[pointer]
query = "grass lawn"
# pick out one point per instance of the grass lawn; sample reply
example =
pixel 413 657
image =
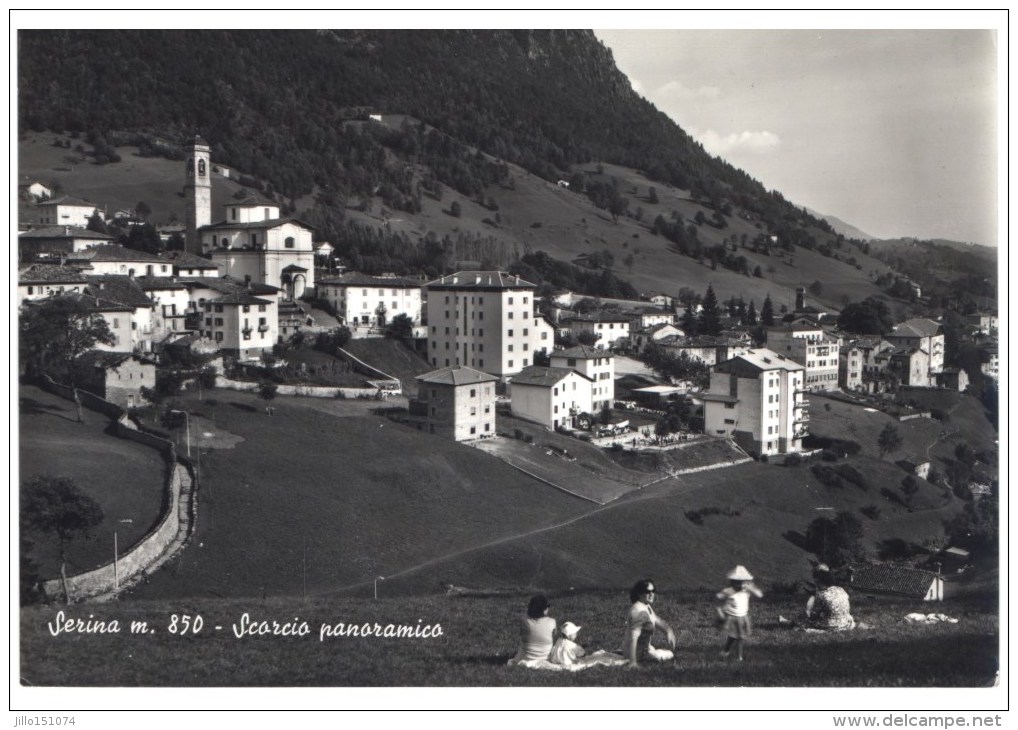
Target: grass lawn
pixel 479 633
pixel 124 477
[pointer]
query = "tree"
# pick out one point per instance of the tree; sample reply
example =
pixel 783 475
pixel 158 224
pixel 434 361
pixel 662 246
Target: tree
pixel 816 288
pixel 652 195
pixel 96 223
pixel 835 542
pixel 56 331
pixel 767 313
pixel 688 322
pixel 267 390
pixel 710 315
pixel 889 439
pixel 56 505
pixel 868 317
pixel 400 328
pixel 629 260
pixel 750 318
pixel 909 487
pixel 142 210
pixel 587 337
pixel 456 209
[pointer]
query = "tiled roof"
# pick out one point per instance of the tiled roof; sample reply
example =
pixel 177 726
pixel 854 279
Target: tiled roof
pixel 183 259
pixel 598 317
pixel 883 578
pixel 151 283
pixel 582 352
pixel 44 273
pixel 761 360
pixel 793 327
pixel 226 285
pixel 355 278
pixel 480 280
pixel 90 302
pixel 120 289
pixel 252 198
pixel 241 297
pixel 542 376
pixel 68 200
pixel 918 327
pixel 108 359
pixel 456 375
pixel 65 232
pixel 113 252
pixel 255 225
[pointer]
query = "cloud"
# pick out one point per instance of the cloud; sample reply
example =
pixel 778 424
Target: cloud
pixel 756 143
pixel 678 91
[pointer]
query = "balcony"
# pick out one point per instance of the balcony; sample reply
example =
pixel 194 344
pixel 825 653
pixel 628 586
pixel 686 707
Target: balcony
pixel 246 332
pixel 801 403
pixel 800 434
pixel 263 328
pixel 802 418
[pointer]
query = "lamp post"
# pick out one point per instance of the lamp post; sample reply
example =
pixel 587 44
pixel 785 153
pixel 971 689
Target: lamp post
pixel 381 577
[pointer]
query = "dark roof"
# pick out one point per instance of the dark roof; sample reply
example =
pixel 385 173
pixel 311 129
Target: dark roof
pixel 255 225
pixel 226 285
pixel 66 232
pixel 149 283
pixel 918 327
pixel 793 327
pixel 718 397
pixel 68 200
pixel 355 278
pixel 183 259
pixel 240 297
pixel 253 199
pixel 582 352
pixel 113 252
pixel 483 280
pixel 883 578
pixel 542 376
pixel 456 375
pixel 293 267
pixel 44 273
pixel 118 288
pixel 598 317
pixel 106 359
pixel 89 302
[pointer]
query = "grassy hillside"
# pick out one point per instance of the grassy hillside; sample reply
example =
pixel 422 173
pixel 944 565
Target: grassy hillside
pixel 479 633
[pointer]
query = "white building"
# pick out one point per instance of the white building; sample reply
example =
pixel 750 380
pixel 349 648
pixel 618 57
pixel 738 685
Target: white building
pixel 53 241
pixel 66 211
pixel 118 260
pixel 597 364
pixel 369 303
pixel 457 402
pixel 485 320
pixel 187 264
pixel 611 328
pixel 241 324
pixel 923 334
pixel 38 281
pixel 171 299
pixel 553 397
pixel 810 346
pixel 757 399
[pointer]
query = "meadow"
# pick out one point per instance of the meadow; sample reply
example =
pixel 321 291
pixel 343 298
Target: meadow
pixel 479 634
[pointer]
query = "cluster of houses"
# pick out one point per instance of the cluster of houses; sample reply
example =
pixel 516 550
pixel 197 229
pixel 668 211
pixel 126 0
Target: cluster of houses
pixel 241 285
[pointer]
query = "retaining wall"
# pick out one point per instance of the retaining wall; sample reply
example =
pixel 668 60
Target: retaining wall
pixel 311 391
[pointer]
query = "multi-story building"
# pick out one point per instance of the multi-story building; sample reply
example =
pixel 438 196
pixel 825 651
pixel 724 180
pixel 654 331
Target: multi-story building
pixel 66 211
pixel 484 320
pixel 171 299
pixel 457 402
pixel 38 281
pixel 188 264
pixel 597 364
pixel 985 323
pixel 910 365
pixel 241 324
pixel 612 328
pixel 639 340
pixel 708 350
pixel 366 304
pixel 553 397
pixel 119 260
pixel 811 347
pixel 991 364
pixel 758 400
pixel 922 334
pixel 53 241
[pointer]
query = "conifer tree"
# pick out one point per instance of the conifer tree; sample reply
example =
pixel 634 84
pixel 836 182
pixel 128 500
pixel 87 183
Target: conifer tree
pixel 710 317
pixel 767 313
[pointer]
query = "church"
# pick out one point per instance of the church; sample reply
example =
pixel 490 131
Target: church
pixel 252 242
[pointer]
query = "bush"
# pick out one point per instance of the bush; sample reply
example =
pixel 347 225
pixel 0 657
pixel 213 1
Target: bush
pixel 891 496
pixel 696 516
pixel 793 460
pixel 872 511
pixel 829 455
pixel 850 474
pixel 827 476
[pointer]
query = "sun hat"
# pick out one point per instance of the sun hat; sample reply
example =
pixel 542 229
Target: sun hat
pixel 570 630
pixel 740 573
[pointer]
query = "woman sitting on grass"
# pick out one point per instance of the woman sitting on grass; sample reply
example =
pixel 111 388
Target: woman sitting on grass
pixel 642 622
pixel 537 632
pixel 828 608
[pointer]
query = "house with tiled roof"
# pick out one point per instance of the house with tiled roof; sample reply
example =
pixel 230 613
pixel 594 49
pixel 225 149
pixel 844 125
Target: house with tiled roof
pixel 484 320
pixel 922 334
pixel 705 348
pixel 66 211
pixel 35 190
pixel 189 264
pixel 612 328
pixel 51 242
pixel 116 259
pixel 127 292
pixel 118 317
pixel 895 580
pixel 757 399
pixel 366 304
pixel 596 364
pixel 910 365
pixel 241 324
pixel 810 346
pixel 116 376
pixel 456 402
pixel 38 281
pixel 170 298
pixel 551 396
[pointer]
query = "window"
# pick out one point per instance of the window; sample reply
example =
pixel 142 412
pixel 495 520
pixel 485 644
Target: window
pixel 233 215
pixel 526 314
pixel 261 307
pixel 510 363
pixel 447 331
pixel 447 301
pixel 571 362
pixel 219 307
pixel 219 321
pixel 480 315
pixel 246 308
pixel 526 332
pixel 510 348
pixel 730 421
pixel 556 409
pixel 219 336
pixel 510 300
pixel 473 410
pixel 289 242
pixel 510 315
pixel 555 390
pixel 487 409
pixel 446 345
pixel 509 333
pixel 434 345
pixel 480 363
pixel 487 426
pixel 544 335
pixel 434 330
pixel 261 321
pixel 473 429
pixel 473 393
pixel 394 305
pixel 208 322
pixel 526 346
pixel 480 347
pixel 730 406
pixel 254 239
pixel 525 300
pixel 525 361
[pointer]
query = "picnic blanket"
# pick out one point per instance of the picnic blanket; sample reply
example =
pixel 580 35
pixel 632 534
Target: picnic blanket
pixel 598 658
pixel 930 618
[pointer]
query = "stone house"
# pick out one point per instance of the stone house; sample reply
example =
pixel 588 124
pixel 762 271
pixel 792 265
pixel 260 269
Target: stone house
pixel 456 402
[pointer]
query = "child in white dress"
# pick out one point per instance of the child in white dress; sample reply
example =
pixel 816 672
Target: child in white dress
pixel 734 612
pixel 566 651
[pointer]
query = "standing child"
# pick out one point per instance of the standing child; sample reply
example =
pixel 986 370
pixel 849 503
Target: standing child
pixel 735 609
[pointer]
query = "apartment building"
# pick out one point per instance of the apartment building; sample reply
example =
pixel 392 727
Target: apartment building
pixel 811 347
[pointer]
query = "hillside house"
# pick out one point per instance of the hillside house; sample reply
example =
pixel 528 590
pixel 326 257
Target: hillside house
pixel 985 323
pixel 708 350
pixel 241 324
pixel 757 399
pixel 188 264
pixel 661 300
pixel 895 580
pixel 639 340
pixel 170 298
pixel 595 363
pixel 457 402
pixel 52 242
pixel 612 328
pixel 113 259
pixel 127 292
pixel 367 304
pixel 916 465
pixel 910 365
pixel 644 317
pixel 35 190
pixel 66 211
pixel 484 320
pixel 116 376
pixel 118 318
pixel 254 241
pixel 38 281
pixel 921 334
pixel 953 379
pixel 553 397
pixel 991 361
pixel 812 348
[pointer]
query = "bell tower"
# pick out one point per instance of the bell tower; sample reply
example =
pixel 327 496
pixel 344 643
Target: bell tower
pixel 198 192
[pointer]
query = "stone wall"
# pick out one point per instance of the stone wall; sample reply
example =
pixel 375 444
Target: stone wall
pixel 311 391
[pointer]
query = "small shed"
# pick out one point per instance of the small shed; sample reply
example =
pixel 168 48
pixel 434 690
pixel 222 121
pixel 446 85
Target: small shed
pixel 896 580
pixel 917 465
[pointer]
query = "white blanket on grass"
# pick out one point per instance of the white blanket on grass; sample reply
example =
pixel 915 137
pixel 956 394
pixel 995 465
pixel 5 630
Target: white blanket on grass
pixel 598 658
pixel 930 618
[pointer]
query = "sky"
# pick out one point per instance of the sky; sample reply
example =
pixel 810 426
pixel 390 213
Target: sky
pixel 892 131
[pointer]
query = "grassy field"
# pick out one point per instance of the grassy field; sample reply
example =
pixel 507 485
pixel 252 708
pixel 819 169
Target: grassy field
pixel 479 633
pixel 124 477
